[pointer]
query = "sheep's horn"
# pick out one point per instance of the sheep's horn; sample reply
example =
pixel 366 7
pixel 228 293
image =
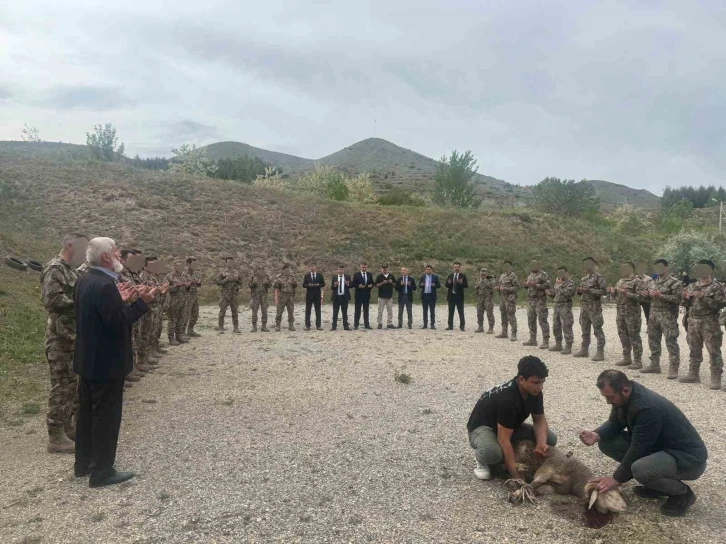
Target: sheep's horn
pixel 593 498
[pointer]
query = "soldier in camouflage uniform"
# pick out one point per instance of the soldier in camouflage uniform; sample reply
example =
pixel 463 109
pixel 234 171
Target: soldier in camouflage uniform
pixel 628 318
pixel 537 284
pixel 259 284
pixel 132 261
pixel 508 285
pixel 177 303
pixel 665 296
pixel 147 324
pixel 191 314
pixel 484 289
pixel 703 300
pixel 285 285
pixel 562 320
pixel 57 288
pixel 641 270
pixel 159 270
pixel 229 280
pixel 592 288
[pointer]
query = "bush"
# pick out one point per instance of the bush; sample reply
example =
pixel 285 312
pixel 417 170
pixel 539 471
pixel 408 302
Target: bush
pixel 398 197
pixel 360 189
pixel 192 160
pixel 453 181
pixel 683 250
pixel 565 197
pixel 103 143
pixel 629 220
pixel 271 180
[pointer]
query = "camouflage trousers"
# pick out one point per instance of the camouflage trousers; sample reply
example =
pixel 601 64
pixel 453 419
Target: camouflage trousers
pixel 258 304
pixel 508 310
pixel 175 314
pixel 628 321
pixel 705 331
pixel 562 322
pixel 63 398
pixel 191 311
pixel 663 324
pixel 485 305
pixel 148 326
pixel 591 315
pixel 537 311
pixel 230 300
pixel 285 301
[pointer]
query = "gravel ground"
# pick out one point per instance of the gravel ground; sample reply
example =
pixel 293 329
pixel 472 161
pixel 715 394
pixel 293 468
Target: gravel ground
pixel 306 437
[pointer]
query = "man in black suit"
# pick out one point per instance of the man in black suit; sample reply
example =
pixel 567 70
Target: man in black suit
pixel 429 283
pixel 103 358
pixel 455 284
pixel 340 286
pixel 406 285
pixel 363 283
pixel 312 283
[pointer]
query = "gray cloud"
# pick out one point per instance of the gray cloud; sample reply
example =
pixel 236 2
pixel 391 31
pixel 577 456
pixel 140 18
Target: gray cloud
pixel 87 97
pixel 187 130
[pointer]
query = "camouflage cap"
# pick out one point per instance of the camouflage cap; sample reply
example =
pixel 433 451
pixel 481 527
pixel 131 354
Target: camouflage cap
pixel 178 261
pixel 484 270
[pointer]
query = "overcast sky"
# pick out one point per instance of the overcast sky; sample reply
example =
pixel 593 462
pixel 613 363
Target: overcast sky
pixel 632 91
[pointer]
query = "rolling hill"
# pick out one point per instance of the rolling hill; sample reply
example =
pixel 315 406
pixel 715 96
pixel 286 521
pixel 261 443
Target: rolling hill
pixel 613 194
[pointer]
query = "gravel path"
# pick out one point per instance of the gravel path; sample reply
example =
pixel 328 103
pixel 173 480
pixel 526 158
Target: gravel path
pixel 306 437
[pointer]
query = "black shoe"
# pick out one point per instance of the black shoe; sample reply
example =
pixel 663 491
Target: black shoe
pixel 678 505
pixel 462 329
pixel 370 328
pixel 449 328
pixel 333 328
pixel 115 478
pixel 425 326
pixel 79 472
pixel 307 328
pixel 380 326
pixel 319 328
pixel 410 326
pixel 346 328
pixel 433 327
pixel 400 327
pixel 390 326
pixel 647 493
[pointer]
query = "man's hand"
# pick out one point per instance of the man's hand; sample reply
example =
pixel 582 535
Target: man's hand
pixel 645 293
pixel 589 438
pixel 686 294
pixel 126 291
pixel 605 484
pixel 698 294
pixel 541 449
pixel 583 290
pixel 145 294
pixel 459 281
pixel 655 294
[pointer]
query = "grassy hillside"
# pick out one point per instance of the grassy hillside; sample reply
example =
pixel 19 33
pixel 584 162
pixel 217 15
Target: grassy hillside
pixel 289 163
pixel 612 195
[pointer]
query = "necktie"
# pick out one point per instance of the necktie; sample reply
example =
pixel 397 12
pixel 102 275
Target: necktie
pixel 455 277
pixel 364 278
pixel 341 286
pixel 428 284
pixel 405 284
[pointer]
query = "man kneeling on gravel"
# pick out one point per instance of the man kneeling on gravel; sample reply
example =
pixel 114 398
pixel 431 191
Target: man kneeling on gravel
pixel 497 421
pixel 659 449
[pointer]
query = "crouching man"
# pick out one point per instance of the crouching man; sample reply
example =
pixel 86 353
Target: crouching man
pixel 652 440
pixel 497 421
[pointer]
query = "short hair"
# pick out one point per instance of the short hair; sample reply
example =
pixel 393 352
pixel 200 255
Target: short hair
pixel 312 264
pixel 363 263
pixel 589 259
pixel 71 237
pixel 508 262
pixel 341 266
pixel 457 262
pixel 384 265
pixel 148 260
pixel 190 260
pixel 629 263
pixel 709 262
pixel 614 378
pixel 661 261
pixel 530 365
pixel 428 266
pixel 96 248
pixel 125 253
pixel 562 267
pixel 136 251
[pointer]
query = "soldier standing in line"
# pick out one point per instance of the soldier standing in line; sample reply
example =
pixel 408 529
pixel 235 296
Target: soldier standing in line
pixel 703 300
pixel 484 289
pixel 508 285
pixel 641 270
pixel 133 261
pixel 159 270
pixel 57 288
pixel 147 321
pixel 628 298
pixel 537 284
pixel 229 280
pixel 562 320
pixel 285 284
pixel 177 301
pixel 592 288
pixel 259 285
pixel 665 296
pixel 192 308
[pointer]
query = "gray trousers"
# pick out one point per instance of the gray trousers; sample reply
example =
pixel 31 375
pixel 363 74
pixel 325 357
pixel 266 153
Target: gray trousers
pixel 387 304
pixel 486 444
pixel 657 471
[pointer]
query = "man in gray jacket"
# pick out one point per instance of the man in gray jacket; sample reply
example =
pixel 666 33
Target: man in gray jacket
pixel 652 440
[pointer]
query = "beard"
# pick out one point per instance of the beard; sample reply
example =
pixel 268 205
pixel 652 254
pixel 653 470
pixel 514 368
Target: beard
pixel 117 266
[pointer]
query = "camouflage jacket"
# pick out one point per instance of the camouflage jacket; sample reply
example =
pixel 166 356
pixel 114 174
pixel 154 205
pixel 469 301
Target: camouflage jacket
pixel 484 287
pixel 596 285
pixel 150 280
pixel 126 276
pixel 286 284
pixel 670 289
pixel 508 286
pixel 229 280
pixel 195 278
pixel 713 299
pixel 83 268
pixel 176 287
pixel 632 297
pixel 57 287
pixel 563 291
pixel 541 283
pixel 259 283
pixel 647 281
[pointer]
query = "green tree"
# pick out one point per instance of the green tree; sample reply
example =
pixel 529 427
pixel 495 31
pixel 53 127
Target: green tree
pixel 271 179
pixel 453 181
pixel 565 197
pixel 326 181
pixel 103 143
pixel 191 160
pixel 360 189
pixel 399 197
pixel 684 249
pixel 31 134
pixel 241 168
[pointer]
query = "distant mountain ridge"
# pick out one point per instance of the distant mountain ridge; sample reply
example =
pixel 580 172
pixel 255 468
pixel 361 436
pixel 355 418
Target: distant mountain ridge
pixel 612 195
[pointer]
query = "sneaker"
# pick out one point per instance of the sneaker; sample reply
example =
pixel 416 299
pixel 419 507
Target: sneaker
pixel 678 505
pixel 482 472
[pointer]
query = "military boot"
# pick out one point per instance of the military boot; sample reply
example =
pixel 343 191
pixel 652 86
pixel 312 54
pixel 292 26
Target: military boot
pixel 557 346
pixel 58 442
pixel 490 330
pixel 693 375
pixel 625 361
pixel 264 327
pixel 70 429
pixel 584 351
pixel 673 369
pixel 652 368
pixel 291 327
pixel 254 327
pixel 159 350
pixel 277 327
pixel 531 342
pixel 220 325
pixel 151 359
pixel 181 338
pixel 235 325
pixel 172 341
pixel 513 337
pixel 545 343
pixel 599 354
pixel 637 363
pixel 715 380
pixel 191 333
pixel 503 334
pixel 568 349
pixel 480 328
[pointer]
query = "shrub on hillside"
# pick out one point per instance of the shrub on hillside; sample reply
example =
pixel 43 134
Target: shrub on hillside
pixel 240 168
pixel 673 217
pixel 565 197
pixel 399 197
pixel 360 189
pixel 683 250
pixel 630 220
pixel 191 160
pixel 453 181
pixel 325 181
pixel 271 179
pixel 103 143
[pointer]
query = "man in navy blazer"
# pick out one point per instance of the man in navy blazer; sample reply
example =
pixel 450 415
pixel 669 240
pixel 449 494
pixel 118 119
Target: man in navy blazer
pixel 363 283
pixel 405 286
pixel 340 286
pixel 103 358
pixel 429 283
pixel 456 283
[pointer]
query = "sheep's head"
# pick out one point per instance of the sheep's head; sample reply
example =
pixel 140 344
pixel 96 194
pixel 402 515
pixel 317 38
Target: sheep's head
pixel 610 501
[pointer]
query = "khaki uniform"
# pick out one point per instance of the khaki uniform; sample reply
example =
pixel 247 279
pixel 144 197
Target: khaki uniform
pixel 285 284
pixel 484 289
pixel 537 303
pixel 133 278
pixel 259 285
pixel 508 287
pixel 147 324
pixel 591 308
pixel 664 318
pixel 562 319
pixel 703 324
pixel 628 317
pixel 191 307
pixel 177 302
pixel 229 280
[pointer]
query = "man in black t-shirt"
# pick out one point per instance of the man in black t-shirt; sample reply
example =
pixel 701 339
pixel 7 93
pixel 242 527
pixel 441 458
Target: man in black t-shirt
pixel 385 283
pixel 497 421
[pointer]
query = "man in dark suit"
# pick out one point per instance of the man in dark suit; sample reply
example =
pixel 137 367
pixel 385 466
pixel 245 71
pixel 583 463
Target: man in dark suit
pixel 312 283
pixel 363 283
pixel 456 284
pixel 405 286
pixel 429 283
pixel 340 286
pixel 103 358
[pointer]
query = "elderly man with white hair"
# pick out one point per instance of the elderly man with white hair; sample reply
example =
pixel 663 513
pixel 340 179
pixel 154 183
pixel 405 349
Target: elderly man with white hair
pixel 103 358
